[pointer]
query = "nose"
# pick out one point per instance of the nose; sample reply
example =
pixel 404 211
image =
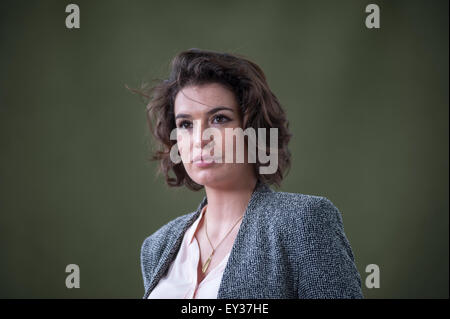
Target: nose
pixel 199 144
pixel 198 129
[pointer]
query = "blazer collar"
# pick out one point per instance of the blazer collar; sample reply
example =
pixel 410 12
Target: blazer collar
pixel 260 187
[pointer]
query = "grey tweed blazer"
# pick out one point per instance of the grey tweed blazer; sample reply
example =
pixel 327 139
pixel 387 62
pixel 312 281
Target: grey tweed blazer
pixel 288 246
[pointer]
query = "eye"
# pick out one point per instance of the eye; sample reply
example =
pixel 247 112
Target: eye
pixel 219 118
pixel 185 124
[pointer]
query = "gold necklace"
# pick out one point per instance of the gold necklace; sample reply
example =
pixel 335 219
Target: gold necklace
pixel 206 265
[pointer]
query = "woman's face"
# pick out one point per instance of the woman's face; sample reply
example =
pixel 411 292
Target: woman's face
pixel 214 108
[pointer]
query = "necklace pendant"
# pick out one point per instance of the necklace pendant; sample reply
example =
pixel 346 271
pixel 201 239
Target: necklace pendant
pixel 205 266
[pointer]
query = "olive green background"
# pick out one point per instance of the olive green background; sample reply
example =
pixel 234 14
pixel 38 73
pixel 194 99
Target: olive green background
pixel 368 109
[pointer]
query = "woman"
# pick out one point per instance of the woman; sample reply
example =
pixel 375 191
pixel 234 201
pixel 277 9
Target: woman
pixel 244 240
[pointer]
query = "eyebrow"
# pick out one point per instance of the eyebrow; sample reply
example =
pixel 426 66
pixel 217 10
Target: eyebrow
pixel 212 111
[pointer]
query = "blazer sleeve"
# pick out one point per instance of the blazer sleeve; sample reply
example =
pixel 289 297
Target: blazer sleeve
pixel 328 267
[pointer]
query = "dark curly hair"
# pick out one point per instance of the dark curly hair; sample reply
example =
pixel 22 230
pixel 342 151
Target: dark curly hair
pixel 259 107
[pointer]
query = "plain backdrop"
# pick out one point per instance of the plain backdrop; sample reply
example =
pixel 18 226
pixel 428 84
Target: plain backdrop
pixel 368 109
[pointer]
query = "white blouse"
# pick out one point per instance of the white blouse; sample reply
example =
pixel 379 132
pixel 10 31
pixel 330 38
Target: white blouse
pixel 181 279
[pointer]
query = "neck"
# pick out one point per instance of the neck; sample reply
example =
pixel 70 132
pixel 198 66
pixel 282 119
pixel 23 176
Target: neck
pixel 226 205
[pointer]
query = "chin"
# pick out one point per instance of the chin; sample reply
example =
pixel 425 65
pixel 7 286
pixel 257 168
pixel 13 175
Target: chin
pixel 212 177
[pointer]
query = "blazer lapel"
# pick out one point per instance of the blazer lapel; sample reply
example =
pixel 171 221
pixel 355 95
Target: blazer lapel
pixel 231 274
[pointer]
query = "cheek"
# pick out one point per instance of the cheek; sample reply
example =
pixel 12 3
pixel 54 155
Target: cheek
pixel 227 142
pixel 233 145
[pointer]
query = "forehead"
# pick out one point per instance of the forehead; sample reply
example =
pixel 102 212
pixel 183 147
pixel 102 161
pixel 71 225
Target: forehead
pixel 201 98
